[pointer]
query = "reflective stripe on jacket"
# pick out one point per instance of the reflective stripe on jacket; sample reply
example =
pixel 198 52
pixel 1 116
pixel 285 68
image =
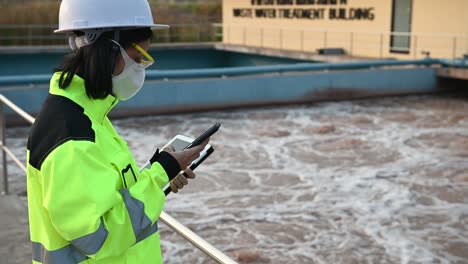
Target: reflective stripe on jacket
pixel 88 202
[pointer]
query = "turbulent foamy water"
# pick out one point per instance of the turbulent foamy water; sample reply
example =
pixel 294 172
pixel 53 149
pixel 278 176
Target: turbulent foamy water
pixel 373 181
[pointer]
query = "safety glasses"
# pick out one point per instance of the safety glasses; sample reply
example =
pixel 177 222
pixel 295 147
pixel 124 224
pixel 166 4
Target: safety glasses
pixel 149 60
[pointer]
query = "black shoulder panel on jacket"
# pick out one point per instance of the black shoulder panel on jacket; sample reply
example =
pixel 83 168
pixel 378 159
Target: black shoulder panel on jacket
pixel 59 121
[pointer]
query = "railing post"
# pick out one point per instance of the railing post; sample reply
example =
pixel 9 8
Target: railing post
pixel 244 36
pixel 302 40
pixel 351 43
pixel 213 34
pixel 325 38
pixel 4 161
pixel 30 36
pixel 281 38
pixel 262 34
pixel 454 47
pixel 168 36
pixel 221 36
pixel 415 46
pixel 381 44
pixel 199 32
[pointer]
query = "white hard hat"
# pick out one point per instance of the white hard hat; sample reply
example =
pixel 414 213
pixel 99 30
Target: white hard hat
pixel 95 17
pixel 104 14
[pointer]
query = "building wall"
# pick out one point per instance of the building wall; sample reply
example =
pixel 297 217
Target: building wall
pixel 444 21
pixel 437 27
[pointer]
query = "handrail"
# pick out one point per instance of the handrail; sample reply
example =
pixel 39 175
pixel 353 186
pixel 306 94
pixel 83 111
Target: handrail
pixel 220 25
pixel 17 109
pixel 321 30
pixel 186 233
pixel 176 226
pixel 55 26
pixel 42 34
pixel 443 45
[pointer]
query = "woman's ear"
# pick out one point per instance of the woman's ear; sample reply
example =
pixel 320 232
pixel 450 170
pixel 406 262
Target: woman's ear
pixel 119 64
pixel 115 58
pixel 114 47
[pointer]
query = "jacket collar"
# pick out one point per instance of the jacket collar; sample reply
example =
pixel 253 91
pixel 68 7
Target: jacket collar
pixel 95 108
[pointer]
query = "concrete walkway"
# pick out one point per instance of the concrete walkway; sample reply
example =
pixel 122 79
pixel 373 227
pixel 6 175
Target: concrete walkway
pixel 15 246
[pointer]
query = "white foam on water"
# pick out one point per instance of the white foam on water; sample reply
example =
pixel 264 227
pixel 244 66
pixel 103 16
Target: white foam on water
pixel 372 181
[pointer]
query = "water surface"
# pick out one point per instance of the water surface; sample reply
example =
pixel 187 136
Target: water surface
pixel 370 181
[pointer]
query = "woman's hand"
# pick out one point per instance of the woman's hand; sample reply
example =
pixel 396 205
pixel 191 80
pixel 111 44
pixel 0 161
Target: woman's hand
pixel 186 157
pixel 180 180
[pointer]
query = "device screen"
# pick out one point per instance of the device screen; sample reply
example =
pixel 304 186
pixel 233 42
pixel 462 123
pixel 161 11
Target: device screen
pixel 179 144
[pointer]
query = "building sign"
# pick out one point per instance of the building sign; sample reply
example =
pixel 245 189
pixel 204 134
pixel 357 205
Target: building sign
pixel 305 9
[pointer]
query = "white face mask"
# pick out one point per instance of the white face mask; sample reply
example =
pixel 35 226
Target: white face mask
pixel 129 82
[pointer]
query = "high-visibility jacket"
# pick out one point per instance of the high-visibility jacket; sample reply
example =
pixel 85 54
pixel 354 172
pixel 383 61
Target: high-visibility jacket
pixel 88 202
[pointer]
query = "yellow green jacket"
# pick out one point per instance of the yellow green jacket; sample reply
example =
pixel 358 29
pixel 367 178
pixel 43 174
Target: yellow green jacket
pixel 88 202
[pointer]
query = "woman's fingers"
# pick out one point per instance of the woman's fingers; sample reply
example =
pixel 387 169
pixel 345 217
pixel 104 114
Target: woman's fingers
pixel 189 174
pixel 186 157
pixel 200 147
pixel 174 188
pixel 181 180
pixel 194 152
pixel 177 183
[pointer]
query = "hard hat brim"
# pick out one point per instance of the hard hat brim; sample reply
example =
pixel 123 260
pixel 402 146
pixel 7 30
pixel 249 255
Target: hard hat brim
pixel 155 26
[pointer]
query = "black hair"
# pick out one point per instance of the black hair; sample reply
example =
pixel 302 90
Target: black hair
pixel 95 63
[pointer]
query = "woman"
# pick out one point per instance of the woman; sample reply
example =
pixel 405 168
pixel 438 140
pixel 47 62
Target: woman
pixel 88 202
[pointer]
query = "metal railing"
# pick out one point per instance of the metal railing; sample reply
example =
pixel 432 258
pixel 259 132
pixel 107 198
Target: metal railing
pixel 38 35
pixel 356 43
pixel 176 226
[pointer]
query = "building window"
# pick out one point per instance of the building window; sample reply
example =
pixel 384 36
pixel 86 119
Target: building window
pixel 400 40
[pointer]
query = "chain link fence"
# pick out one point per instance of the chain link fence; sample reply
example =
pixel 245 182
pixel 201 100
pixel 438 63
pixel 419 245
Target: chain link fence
pixel 42 35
